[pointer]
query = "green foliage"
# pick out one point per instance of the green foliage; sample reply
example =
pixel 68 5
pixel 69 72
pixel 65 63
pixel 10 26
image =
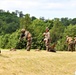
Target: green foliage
pixel 61 45
pixel 65 21
pixel 25 21
pixel 4 40
pixel 38 29
pixel 57 30
pixel 13 39
pixel 11 24
pixel 70 30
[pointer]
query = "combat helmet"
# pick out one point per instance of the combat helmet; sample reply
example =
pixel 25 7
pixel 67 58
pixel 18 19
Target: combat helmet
pixel 22 30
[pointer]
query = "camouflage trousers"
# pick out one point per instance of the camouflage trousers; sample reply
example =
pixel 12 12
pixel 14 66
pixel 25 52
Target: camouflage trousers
pixel 71 47
pixel 47 44
pixel 28 47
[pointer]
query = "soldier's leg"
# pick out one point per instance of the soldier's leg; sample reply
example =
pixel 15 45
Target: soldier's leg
pixel 28 45
pixel 68 47
pixel 72 47
pixel 28 48
pixel 47 45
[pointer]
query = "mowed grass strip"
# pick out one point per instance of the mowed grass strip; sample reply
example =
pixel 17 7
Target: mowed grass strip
pixel 22 62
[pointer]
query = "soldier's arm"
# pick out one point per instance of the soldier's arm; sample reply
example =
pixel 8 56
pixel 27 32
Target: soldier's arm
pixel 21 36
pixel 44 34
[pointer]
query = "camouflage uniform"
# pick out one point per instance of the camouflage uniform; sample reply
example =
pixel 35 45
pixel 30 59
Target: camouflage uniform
pixel 70 43
pixel 26 35
pixel 47 38
pixel 29 40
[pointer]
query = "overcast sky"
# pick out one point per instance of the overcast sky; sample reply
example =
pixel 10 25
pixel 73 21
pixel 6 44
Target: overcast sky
pixel 48 9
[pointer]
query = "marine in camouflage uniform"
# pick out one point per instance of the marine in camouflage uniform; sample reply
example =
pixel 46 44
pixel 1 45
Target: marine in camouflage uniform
pixel 47 39
pixel 70 43
pixel 29 40
pixel 26 35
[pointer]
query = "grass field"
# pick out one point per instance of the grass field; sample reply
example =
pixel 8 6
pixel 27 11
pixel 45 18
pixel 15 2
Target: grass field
pixel 22 62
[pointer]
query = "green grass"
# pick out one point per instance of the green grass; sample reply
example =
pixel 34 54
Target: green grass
pixel 22 62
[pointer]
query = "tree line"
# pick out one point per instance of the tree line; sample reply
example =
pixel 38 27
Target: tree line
pixel 12 23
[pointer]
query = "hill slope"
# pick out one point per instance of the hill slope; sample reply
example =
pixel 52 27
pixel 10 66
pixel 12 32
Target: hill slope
pixel 37 63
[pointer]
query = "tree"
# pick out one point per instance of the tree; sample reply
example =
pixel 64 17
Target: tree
pixel 73 22
pixel 20 14
pixel 49 23
pixel 70 30
pixel 9 22
pixel 57 30
pixel 65 21
pixel 25 21
pixel 38 29
pixel 33 18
